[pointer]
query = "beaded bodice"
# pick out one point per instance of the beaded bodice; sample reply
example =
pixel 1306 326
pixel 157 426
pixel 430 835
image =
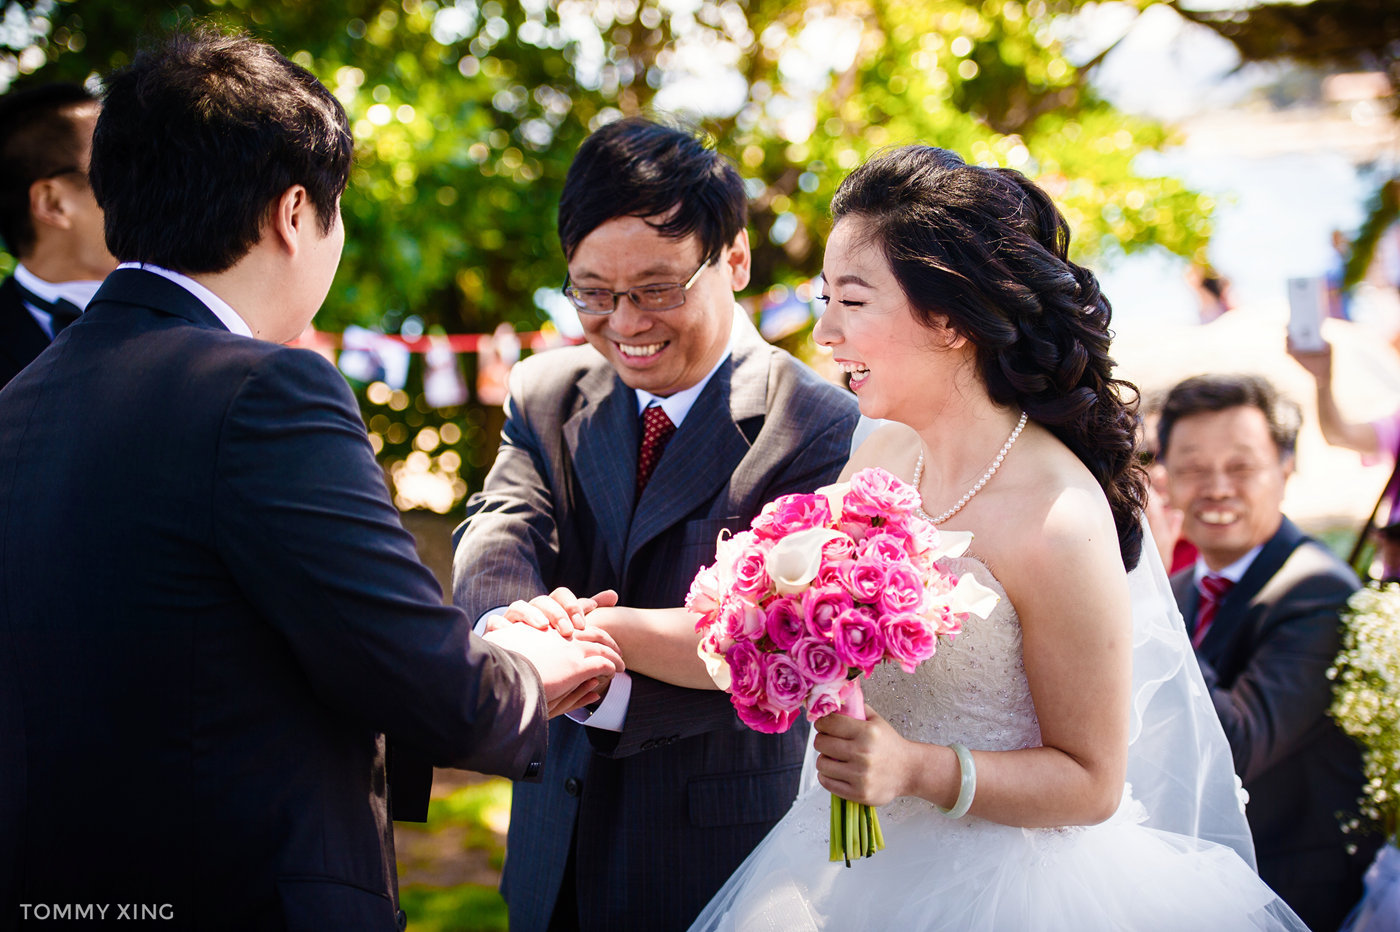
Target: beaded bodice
pixel 973 690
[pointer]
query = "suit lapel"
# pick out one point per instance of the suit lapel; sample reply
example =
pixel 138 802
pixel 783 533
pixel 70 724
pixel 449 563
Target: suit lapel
pixel 1184 588
pixel 710 443
pixel 1236 604
pixel 601 439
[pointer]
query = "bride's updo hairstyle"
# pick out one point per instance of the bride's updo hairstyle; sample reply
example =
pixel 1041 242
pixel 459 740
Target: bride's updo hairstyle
pixel 986 249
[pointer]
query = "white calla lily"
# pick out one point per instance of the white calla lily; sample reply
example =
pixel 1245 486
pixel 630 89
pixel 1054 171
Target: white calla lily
pixel 971 597
pixel 793 562
pixel 951 544
pixel 715 665
pixel 835 495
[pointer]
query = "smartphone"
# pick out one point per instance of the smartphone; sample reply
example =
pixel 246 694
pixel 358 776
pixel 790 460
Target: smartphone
pixel 1307 306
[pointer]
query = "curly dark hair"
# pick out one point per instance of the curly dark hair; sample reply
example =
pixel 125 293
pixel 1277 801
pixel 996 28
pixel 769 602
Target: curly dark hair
pixel 985 249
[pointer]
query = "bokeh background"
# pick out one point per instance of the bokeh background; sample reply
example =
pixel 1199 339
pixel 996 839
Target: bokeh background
pixel 1231 144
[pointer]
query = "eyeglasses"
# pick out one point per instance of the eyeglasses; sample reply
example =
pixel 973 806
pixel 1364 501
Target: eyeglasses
pixel 662 296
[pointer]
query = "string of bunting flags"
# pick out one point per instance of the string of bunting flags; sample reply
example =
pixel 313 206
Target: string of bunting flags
pixel 368 356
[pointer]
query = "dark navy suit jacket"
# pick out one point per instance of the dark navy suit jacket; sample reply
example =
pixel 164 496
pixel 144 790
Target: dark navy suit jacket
pixel 659 814
pixel 21 337
pixel 209 616
pixel 1265 660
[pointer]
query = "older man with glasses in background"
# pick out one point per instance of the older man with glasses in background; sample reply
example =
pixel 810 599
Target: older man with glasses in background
pixel 1262 606
pixel 620 463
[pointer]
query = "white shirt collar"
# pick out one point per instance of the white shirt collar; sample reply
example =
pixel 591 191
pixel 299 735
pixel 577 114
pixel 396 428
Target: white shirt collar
pixel 217 305
pixel 75 292
pixel 677 406
pixel 1234 572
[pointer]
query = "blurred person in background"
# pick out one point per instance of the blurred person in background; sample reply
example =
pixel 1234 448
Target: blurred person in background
pixel 1375 440
pixel 1262 604
pixel 49 219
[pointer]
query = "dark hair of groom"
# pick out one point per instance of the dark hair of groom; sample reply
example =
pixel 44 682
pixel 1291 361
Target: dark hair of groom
pixel 38 139
pixel 197 202
pixel 638 168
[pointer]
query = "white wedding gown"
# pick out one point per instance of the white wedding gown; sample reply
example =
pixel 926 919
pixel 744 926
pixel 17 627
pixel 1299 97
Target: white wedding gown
pixel 970 874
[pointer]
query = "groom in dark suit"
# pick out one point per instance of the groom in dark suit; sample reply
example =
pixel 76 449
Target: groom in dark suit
pixel 209 611
pixel 1262 605
pixel 49 219
pixel 620 463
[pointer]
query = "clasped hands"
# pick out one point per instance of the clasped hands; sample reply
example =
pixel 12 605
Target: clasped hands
pixel 575 660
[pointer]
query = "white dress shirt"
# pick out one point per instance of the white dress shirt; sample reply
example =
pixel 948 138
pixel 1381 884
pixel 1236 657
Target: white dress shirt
pixel 1234 572
pixel 78 293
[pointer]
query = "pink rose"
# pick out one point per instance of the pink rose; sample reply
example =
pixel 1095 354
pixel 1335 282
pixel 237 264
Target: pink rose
pixel 740 620
pixel 857 639
pixel 760 716
pixel 705 593
pixel 828 698
pixel 877 493
pixel 745 670
pixel 838 548
pixel 909 639
pixel 790 513
pixel 863 578
pixel 903 590
pixel 888 545
pixel 821 606
pixel 817 660
pixel 923 536
pixel 786 621
pixel 785 685
pixel 829 575
pixel 854 526
pixel 947 622
pixel 751 582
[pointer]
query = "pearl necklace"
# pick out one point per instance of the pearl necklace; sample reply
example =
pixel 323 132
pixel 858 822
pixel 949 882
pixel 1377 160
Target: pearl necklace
pixel 967 496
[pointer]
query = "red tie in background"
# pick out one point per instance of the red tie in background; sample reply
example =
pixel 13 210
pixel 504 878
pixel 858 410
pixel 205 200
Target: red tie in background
pixel 1213 589
pixel 656 430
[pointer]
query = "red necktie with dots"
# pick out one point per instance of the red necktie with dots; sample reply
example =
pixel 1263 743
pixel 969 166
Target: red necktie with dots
pixel 1213 590
pixel 656 430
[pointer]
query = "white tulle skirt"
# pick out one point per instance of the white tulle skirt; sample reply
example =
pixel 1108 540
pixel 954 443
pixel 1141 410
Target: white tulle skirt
pixel 971 875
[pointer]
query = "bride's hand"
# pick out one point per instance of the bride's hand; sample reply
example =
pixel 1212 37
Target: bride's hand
pixel 862 761
pixel 561 610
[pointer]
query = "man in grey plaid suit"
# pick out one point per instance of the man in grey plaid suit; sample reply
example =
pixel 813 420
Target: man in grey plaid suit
pixel 647 805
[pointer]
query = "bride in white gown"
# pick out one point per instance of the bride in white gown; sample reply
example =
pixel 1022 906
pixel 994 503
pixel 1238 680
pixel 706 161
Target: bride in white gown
pixel 1069 733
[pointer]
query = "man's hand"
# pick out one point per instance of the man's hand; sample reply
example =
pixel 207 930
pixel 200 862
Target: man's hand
pixel 561 610
pixel 574 670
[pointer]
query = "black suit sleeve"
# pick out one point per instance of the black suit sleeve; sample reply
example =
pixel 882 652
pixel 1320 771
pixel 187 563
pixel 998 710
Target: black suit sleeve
pixel 1281 695
pixel 306 527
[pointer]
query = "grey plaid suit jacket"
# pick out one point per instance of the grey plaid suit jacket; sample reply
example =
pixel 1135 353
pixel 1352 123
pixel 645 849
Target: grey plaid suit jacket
pixel 1265 661
pixel 661 813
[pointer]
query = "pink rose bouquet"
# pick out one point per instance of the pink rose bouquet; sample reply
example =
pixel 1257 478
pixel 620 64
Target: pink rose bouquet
pixel 819 591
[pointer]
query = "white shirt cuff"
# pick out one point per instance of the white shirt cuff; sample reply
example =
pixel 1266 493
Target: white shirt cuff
pixel 612 711
pixel 480 627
